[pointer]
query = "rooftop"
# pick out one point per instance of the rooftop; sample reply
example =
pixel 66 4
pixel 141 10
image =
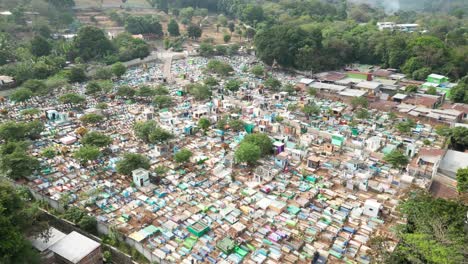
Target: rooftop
pixel 74 247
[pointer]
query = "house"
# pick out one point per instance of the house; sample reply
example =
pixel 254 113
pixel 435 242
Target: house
pixel 330 77
pixel 313 162
pixel 451 162
pixel 426 162
pixel 73 248
pixel 304 83
pixel 281 160
pixel 141 177
pixel 327 87
pixel 353 93
pixel 437 79
pixel 423 100
pixel 371 87
pixel 399 97
pixel 263 174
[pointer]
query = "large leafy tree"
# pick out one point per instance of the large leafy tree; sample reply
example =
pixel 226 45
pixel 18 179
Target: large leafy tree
pixel 248 152
pixel 396 158
pixel 150 132
pixel 21 95
pixel 19 219
pixel 194 31
pixel 40 46
pixel 15 131
pixel 434 232
pixel 143 25
pixel 462 180
pixel 15 162
pixel 96 139
pixel 204 124
pixel 131 162
pixel 91 43
pixel 87 153
pixel 260 140
pixel 183 156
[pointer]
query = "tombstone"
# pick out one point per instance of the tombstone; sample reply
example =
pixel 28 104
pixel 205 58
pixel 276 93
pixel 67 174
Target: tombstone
pixel 141 177
pixel 372 208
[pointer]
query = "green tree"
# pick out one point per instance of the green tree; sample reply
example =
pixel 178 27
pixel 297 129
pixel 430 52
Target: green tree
pixel 226 38
pixel 183 156
pixel 91 43
pixel 21 95
pixel 362 114
pixel 233 85
pixel 236 125
pixel 289 88
pixel 273 84
pixel 462 180
pixel 248 152
pixel 87 153
pixel 211 81
pixel 40 46
pixel 405 127
pixel 206 49
pixel 89 224
pixel 36 86
pixel 163 101
pixel 93 87
pixel 146 91
pixel 103 73
pixel 77 74
pixel 20 218
pixel 396 158
pixel 30 112
pixel 194 31
pixel 126 91
pixel 173 28
pixel 431 91
pixel 257 70
pixel 102 105
pixel 219 67
pixel 150 132
pixel 204 124
pixel 359 102
pixel 118 69
pixel 260 140
pixel 15 131
pixel 311 109
pixel 131 162
pixel 96 139
pixel 49 153
pixel 15 163
pixel 143 25
pixel 91 118
pixel 252 14
pixel 199 91
pixel 72 99
pixel 159 135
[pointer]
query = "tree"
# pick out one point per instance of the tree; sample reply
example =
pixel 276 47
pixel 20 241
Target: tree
pixel 233 85
pixel 30 112
pixel 93 87
pixel 359 102
pixel 87 153
pixel 236 124
pixel 91 43
pixel 131 162
pixel 273 84
pixel 91 118
pixel 194 31
pixel 219 67
pixel 289 88
pixel 163 101
pixel 146 91
pixel 232 27
pixel 462 180
pixel 118 69
pixel 89 224
pixel 226 38
pixel 247 152
pixel 21 95
pixel 20 218
pixel 49 153
pixel 77 74
pixel 102 105
pixel 143 25
pixel 15 163
pixel 257 70
pixel 260 140
pixel 173 28
pixel 40 46
pixel 396 158
pixel 405 127
pixel 211 81
pixel 204 124
pixel 362 114
pixel 103 74
pixel 434 230
pixel 72 99
pixel 221 50
pixel 36 86
pixel 252 14
pixel 96 139
pixel 159 136
pixel 183 156
pixel 311 109
pixel 150 132
pixel 15 131
pixel 199 91
pixel 126 91
pixel 206 49
pixel 431 91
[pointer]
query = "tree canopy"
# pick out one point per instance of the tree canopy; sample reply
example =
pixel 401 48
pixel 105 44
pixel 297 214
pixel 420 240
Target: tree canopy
pixel 183 156
pixel 131 162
